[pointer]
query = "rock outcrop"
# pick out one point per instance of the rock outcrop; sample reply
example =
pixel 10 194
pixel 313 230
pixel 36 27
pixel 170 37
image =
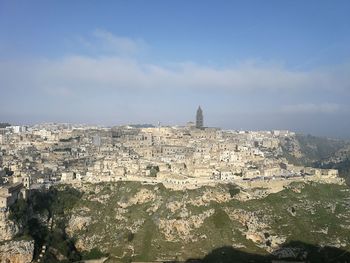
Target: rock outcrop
pixel 175 229
pixel 256 228
pixel 77 223
pixel 8 229
pixel 143 196
pixel 17 251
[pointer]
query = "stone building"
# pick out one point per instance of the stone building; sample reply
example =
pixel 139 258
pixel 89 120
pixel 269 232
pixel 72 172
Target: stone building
pixel 199 118
pixel 9 194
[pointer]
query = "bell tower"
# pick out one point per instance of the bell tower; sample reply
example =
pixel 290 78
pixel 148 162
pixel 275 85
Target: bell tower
pixel 199 118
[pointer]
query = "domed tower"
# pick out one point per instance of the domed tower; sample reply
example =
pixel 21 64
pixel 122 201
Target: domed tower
pixel 199 118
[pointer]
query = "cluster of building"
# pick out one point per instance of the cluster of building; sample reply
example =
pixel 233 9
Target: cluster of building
pixel 45 154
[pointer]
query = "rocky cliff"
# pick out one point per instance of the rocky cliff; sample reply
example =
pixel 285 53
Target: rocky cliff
pixel 131 221
pixel 8 228
pixel 16 251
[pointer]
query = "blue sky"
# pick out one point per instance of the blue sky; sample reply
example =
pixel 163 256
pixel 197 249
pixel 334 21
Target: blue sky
pixel 249 64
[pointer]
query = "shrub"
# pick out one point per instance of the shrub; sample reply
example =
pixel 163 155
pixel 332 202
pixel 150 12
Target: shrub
pixel 94 253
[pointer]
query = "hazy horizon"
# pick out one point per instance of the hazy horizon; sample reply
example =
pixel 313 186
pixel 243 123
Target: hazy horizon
pixel 250 65
pixel 167 125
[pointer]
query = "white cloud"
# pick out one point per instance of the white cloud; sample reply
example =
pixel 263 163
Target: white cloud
pixel 104 42
pixel 116 71
pixel 118 43
pixel 81 72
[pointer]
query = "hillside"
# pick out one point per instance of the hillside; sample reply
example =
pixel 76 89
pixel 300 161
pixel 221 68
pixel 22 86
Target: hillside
pixel 133 222
pixel 318 152
pixel 307 149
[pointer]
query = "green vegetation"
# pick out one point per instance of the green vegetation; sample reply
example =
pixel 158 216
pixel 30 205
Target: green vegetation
pixel 19 212
pixel 313 212
pixel 318 148
pixel 44 205
pixel 220 218
pixel 233 190
pixel 153 170
pixel 145 238
pixel 220 230
pixel 128 230
pixel 312 149
pixel 318 152
pixel 94 253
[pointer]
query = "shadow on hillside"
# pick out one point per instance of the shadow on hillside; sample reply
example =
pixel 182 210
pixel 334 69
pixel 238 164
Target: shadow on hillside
pixel 294 251
pixel 34 215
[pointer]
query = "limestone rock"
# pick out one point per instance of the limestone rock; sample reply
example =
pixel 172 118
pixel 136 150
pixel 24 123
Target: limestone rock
pixel 292 210
pixel 175 229
pixel 255 237
pixel 17 251
pixel 8 229
pixel 209 196
pixel 57 254
pixel 143 196
pixel 77 223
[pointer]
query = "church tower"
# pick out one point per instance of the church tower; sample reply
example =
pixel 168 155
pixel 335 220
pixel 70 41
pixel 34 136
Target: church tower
pixel 199 118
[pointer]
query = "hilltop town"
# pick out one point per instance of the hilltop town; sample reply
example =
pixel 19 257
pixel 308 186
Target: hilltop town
pixel 179 157
pixel 223 165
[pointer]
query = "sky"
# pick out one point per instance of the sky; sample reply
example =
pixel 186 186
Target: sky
pixel 251 65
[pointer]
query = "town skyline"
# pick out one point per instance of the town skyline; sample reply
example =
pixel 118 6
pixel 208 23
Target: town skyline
pixel 195 122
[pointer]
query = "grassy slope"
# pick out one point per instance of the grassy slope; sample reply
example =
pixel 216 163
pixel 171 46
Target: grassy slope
pixel 149 243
